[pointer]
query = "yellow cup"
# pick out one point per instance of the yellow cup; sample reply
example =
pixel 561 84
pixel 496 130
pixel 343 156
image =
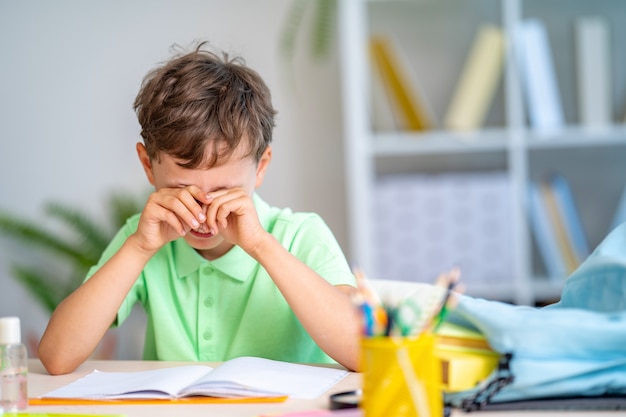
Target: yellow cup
pixel 401 377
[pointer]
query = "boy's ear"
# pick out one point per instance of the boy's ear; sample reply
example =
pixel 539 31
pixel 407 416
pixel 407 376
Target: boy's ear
pixel 142 153
pixel 264 162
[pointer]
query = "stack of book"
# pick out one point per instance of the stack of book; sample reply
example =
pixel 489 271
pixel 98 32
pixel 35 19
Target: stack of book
pixel 557 227
pixel 400 103
pixel 466 357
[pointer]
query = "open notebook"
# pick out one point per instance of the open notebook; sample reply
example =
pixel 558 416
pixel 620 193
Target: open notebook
pixel 244 377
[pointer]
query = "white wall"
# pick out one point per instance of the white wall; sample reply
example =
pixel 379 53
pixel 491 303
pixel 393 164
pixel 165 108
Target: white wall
pixel 70 70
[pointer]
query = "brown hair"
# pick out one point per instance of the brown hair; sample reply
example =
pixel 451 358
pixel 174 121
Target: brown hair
pixel 201 99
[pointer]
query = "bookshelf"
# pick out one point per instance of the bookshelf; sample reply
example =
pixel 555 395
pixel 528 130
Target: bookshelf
pixel 435 36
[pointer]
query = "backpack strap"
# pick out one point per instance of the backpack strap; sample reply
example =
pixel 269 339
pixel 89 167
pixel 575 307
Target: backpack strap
pixel 502 377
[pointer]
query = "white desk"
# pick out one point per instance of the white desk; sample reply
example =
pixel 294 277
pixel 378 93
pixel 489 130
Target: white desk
pixel 40 382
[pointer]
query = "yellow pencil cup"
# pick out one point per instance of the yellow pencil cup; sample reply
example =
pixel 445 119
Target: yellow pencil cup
pixel 401 377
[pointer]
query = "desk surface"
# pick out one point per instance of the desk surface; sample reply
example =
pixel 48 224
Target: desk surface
pixel 40 382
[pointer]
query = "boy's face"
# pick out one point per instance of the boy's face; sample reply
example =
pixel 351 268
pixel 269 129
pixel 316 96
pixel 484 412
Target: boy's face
pixel 236 172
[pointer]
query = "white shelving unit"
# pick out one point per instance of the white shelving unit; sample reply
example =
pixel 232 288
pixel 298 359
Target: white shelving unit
pixel 436 33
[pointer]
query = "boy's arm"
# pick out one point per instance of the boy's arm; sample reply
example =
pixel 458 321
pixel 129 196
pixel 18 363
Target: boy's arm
pixel 326 311
pixel 81 320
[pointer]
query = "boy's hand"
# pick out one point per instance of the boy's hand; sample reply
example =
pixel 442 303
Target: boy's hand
pixel 231 213
pixel 169 214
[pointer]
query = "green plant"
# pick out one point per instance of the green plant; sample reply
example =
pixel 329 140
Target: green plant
pixel 79 246
pixel 323 24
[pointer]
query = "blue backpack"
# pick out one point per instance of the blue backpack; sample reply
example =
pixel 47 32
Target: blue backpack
pixel 575 348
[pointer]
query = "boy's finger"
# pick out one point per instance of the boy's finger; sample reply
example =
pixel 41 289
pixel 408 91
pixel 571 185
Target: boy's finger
pixel 223 198
pixel 217 193
pixel 186 196
pixel 198 195
pixel 163 214
pixel 181 204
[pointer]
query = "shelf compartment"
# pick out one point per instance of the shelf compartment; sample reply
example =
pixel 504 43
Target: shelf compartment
pixel 439 142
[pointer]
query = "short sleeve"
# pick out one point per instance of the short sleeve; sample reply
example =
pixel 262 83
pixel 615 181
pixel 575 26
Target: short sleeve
pixel 312 241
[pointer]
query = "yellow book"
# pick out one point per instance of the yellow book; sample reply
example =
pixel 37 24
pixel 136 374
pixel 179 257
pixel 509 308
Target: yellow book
pixel 479 80
pixel 465 355
pixel 383 116
pixel 407 100
pixel 455 337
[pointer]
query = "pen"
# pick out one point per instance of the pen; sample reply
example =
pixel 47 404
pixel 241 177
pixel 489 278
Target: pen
pixel 373 313
pixel 453 280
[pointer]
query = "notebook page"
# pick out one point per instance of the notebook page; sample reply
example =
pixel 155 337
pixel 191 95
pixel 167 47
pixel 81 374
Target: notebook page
pixel 270 376
pixel 157 383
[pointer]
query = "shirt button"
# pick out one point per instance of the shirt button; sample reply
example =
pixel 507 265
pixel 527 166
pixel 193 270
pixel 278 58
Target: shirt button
pixel 207 335
pixel 208 302
pixel 208 270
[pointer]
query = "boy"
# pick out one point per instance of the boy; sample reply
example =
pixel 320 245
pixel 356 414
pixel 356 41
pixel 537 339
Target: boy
pixel 219 272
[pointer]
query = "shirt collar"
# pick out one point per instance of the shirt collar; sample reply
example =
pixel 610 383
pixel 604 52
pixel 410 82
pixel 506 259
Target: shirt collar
pixel 236 263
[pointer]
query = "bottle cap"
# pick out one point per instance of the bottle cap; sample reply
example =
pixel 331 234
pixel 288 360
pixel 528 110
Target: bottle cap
pixel 10 331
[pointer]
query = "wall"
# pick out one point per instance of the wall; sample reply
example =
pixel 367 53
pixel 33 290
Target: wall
pixel 70 71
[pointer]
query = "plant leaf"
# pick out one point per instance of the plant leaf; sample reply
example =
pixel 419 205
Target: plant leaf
pixel 43 287
pixel 36 235
pixel 122 206
pixel 81 249
pixel 93 239
pixel 323 27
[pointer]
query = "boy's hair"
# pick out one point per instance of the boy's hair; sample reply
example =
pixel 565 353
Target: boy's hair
pixel 202 99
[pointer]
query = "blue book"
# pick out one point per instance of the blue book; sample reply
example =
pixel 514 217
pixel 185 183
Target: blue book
pixel 570 216
pixel 544 235
pixel 620 214
pixel 545 110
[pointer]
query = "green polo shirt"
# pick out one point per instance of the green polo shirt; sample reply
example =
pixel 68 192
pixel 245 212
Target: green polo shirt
pixel 200 310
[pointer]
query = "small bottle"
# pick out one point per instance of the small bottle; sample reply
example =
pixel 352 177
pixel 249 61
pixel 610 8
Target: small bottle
pixel 13 366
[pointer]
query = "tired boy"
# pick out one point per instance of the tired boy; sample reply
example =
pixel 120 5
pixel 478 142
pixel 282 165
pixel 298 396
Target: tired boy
pixel 219 272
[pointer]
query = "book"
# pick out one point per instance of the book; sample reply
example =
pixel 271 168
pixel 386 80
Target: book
pixel 543 101
pixel 557 227
pixel 383 117
pixel 408 101
pixel 593 65
pixel 452 336
pixel 479 80
pixel 244 377
pixel 542 232
pixel 620 212
pixel 466 356
pixel 568 212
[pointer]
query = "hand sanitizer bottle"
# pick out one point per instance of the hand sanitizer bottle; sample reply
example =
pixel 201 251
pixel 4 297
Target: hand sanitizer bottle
pixel 13 366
